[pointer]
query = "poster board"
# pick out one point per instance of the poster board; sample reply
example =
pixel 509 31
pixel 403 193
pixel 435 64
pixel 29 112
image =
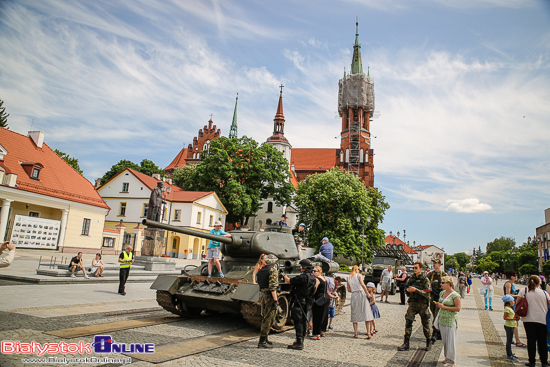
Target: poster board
pixel 32 232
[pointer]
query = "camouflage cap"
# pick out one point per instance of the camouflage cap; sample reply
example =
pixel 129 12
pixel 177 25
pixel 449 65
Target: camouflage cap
pixel 306 263
pixel 270 259
pixel 436 261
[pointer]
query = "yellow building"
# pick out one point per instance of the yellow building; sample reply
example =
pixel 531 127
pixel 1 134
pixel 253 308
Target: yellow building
pixel 46 204
pixel 128 192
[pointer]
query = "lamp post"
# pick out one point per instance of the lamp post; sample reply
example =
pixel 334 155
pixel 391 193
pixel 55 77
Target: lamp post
pixel 404 236
pixel 363 240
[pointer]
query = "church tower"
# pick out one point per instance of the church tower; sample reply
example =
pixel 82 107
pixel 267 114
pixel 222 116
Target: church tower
pixel 278 139
pixel 233 130
pixel 356 107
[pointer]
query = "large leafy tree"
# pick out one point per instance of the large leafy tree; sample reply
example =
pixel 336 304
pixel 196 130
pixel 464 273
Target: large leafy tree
pixel 242 174
pixel 71 160
pixel 182 174
pixel 329 204
pixel 462 259
pixel 3 116
pixel 146 166
pixel 501 244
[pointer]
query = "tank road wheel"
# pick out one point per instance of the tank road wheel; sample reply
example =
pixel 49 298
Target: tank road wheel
pixel 282 315
pixel 342 293
pixel 171 304
pixel 392 292
pixel 251 313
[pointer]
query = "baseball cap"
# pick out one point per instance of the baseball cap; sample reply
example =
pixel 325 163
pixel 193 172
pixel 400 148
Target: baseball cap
pixel 371 285
pixel 437 261
pixel 306 263
pixel 324 239
pixel 302 224
pixel 270 259
pixel 507 298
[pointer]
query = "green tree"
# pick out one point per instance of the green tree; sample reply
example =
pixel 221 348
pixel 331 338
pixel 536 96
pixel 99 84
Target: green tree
pixel 182 174
pixel 546 268
pixel 3 116
pixel 527 254
pixel 462 259
pixel 501 244
pixel 486 264
pixel 149 167
pixel 329 204
pixel 528 269
pixel 451 263
pixel 116 168
pixel 71 160
pixel 242 174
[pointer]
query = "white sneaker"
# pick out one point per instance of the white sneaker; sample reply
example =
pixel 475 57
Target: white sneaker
pixel 73 276
pixel 86 276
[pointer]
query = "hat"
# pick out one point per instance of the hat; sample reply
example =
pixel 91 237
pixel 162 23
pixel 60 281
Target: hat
pixel 217 223
pixel 306 263
pixel 302 224
pixel 324 239
pixel 283 216
pixel 437 261
pixel 507 298
pixel 270 259
pixel 371 285
pixel 485 272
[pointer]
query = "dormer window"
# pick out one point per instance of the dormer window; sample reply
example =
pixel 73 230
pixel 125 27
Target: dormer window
pixel 32 169
pixel 125 186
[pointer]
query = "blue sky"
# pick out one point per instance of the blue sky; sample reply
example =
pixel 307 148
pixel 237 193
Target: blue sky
pixel 462 91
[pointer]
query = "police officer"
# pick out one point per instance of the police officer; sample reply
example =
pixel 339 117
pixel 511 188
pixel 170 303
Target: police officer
pixel 269 281
pixel 303 288
pixel 419 297
pixel 435 283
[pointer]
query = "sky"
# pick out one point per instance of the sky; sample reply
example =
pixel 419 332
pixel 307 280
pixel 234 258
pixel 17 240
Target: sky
pixel 462 93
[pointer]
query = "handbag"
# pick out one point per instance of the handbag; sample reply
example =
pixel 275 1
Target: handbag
pixel 322 300
pixel 522 306
pixel 547 315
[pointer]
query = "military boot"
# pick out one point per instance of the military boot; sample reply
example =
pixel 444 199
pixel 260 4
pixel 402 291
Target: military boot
pixel 298 344
pixel 438 335
pixel 267 340
pixel 429 344
pixel 263 344
pixel 405 345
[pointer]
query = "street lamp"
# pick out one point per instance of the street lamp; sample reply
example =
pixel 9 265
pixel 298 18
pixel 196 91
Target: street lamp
pixel 404 236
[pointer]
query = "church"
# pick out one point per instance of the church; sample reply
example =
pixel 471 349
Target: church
pixel 355 107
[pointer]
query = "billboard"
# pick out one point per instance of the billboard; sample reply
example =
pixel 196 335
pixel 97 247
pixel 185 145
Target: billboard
pixel 32 232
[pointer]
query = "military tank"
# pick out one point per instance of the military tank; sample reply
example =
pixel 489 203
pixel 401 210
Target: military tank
pixel 194 292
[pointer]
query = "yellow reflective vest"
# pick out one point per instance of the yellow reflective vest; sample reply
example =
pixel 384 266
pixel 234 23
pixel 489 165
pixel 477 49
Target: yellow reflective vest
pixel 126 257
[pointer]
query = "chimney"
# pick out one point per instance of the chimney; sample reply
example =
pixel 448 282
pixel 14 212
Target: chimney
pixel 97 182
pixel 156 176
pixel 168 180
pixel 37 138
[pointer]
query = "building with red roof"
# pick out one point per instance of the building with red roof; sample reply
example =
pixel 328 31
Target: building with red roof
pixel 46 203
pixel 128 193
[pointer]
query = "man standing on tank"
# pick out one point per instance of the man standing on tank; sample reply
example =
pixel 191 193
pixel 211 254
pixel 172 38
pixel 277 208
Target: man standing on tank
pixel 303 288
pixel 419 297
pixel 435 283
pixel 268 280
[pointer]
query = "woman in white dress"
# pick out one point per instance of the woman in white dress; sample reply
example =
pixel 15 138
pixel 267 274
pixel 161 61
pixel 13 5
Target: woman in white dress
pixel 360 307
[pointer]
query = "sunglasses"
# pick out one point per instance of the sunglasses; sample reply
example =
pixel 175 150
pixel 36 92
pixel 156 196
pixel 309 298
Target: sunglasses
pixel 315 271
pixel 416 267
pixel 444 282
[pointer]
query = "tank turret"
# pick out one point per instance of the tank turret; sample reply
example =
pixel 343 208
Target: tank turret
pixel 237 292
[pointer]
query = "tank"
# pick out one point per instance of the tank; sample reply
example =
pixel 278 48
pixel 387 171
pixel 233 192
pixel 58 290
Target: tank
pixel 393 255
pixel 193 292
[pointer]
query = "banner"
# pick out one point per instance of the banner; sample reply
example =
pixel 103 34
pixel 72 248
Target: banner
pixel 32 232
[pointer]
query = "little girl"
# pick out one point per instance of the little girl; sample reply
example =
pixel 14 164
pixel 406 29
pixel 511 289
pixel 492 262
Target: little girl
pixel 374 308
pixel 510 323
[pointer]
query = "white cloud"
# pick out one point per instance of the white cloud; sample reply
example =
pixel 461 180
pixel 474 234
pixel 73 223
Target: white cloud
pixel 471 205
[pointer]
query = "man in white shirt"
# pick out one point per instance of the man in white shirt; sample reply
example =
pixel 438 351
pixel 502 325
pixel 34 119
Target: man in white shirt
pixel 385 282
pixel 7 259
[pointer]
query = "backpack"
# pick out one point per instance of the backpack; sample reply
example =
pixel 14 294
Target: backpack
pixel 522 306
pixel 310 290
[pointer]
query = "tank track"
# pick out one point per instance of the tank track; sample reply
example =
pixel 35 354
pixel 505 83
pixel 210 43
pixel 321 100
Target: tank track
pixel 251 313
pixel 164 299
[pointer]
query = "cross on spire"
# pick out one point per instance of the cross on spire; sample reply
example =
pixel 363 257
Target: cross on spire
pixel 281 86
pixel 211 115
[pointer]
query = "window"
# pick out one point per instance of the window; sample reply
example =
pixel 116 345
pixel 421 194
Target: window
pixel 270 207
pixel 122 210
pixel 34 214
pixel 211 221
pixel 199 214
pixel 174 243
pixel 144 211
pixel 163 213
pixel 86 227
pixel 108 242
pixel 125 186
pixel 177 215
pixel 35 173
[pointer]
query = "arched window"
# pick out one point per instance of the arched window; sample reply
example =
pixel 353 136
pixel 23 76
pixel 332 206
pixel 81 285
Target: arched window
pixel 361 156
pixel 270 207
pixel 206 145
pixel 347 155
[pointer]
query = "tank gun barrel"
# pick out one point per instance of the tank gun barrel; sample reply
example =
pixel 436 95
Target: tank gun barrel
pixel 191 232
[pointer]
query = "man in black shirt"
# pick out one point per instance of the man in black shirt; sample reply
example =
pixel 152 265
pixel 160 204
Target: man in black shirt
pixel 76 265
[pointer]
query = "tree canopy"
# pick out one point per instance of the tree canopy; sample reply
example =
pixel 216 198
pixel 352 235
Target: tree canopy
pixel 242 174
pixel 329 204
pixel 71 160
pixel 500 244
pixel 182 174
pixel 3 116
pixel 503 255
pixel 146 166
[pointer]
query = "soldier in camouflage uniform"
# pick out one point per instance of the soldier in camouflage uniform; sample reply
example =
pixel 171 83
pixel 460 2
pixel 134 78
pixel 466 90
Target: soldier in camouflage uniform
pixel 435 282
pixel 419 296
pixel 268 279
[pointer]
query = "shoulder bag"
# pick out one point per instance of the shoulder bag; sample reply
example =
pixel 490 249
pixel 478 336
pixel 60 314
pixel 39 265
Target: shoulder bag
pixel 522 306
pixel 323 299
pixel 436 320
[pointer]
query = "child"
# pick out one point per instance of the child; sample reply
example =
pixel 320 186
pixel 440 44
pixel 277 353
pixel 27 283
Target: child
pixel 510 324
pixel 333 299
pixel 374 308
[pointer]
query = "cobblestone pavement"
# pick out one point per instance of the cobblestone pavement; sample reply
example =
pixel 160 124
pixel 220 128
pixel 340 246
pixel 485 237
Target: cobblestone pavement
pixel 338 348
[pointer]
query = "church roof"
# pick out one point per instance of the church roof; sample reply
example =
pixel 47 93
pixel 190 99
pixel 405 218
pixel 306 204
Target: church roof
pixel 56 178
pixel 179 161
pixel 314 159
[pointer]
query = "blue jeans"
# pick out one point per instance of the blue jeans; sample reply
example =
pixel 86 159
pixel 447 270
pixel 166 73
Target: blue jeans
pixel 509 336
pixel 489 295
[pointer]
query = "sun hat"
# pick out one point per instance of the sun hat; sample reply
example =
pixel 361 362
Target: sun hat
pixel 507 298
pixel 371 285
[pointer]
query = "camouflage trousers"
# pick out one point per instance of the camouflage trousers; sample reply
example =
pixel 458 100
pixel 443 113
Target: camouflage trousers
pixel 420 308
pixel 434 310
pixel 268 313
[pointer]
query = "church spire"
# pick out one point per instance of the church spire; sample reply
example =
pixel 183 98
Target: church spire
pixel 279 122
pixel 356 64
pixel 233 130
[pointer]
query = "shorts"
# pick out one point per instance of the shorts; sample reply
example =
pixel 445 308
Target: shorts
pixel 76 268
pixel 213 253
pixel 331 312
pixel 386 286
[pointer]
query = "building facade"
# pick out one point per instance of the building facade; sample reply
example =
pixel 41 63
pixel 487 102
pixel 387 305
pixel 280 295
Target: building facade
pixel 542 238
